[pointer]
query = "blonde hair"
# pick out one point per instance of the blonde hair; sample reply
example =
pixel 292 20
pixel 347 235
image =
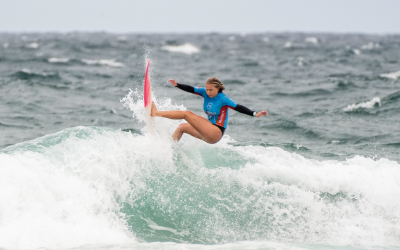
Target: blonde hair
pixel 217 83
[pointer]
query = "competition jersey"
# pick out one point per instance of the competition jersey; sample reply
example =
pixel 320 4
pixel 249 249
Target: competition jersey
pixel 216 108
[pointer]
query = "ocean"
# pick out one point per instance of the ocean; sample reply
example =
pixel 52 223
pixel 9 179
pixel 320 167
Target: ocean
pixel 79 168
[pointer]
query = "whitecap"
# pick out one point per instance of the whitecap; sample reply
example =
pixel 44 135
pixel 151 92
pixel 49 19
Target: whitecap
pixel 25 70
pixel 288 45
pixel 356 51
pixel 266 39
pixel 370 46
pixel 313 40
pixel 6 45
pixel 231 38
pixel 104 62
pixel 186 48
pixel 300 61
pixel 32 46
pixel 58 60
pixel 392 75
pixel 122 38
pixel 366 105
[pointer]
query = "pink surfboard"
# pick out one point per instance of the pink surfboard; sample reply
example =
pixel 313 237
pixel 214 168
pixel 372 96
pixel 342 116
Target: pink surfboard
pixel 147 87
pixel 148 99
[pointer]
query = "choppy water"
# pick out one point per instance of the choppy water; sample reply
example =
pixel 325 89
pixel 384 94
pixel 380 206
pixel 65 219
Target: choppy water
pixel 79 170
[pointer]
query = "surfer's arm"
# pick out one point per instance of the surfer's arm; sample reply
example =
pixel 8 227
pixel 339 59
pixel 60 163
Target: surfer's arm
pixel 185 87
pixel 242 109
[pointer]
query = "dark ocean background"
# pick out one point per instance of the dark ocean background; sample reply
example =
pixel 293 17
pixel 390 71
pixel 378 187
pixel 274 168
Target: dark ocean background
pixel 80 170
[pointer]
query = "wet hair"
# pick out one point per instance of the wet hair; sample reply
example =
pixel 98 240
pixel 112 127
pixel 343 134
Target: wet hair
pixel 217 83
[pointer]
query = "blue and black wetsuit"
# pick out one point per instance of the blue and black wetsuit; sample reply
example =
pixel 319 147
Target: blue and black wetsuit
pixel 216 108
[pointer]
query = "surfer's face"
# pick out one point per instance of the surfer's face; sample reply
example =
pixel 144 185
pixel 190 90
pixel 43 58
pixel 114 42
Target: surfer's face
pixel 211 90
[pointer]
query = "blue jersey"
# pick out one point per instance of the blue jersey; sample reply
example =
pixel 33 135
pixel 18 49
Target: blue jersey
pixel 216 108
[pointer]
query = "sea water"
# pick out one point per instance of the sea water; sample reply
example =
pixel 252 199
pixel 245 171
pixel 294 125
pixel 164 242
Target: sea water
pixel 79 169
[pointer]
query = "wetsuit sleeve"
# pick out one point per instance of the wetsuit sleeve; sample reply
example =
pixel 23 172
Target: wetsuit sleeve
pixel 244 110
pixel 186 88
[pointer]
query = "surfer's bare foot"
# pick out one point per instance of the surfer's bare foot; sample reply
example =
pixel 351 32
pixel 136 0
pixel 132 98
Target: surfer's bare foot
pixel 153 109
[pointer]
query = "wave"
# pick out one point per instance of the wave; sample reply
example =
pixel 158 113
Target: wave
pixel 391 98
pixel 312 92
pixel 386 104
pixel 345 85
pixel 58 60
pixel 354 77
pixel 313 40
pixel 288 45
pixel 376 101
pixel 32 46
pixel 292 127
pixel 356 51
pixel 233 81
pixel 186 48
pixel 251 64
pixel 89 185
pixel 370 46
pixel 104 62
pixel 392 75
pixel 27 74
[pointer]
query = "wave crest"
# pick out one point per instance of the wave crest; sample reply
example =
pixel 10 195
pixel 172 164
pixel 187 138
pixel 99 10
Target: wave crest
pixel 376 101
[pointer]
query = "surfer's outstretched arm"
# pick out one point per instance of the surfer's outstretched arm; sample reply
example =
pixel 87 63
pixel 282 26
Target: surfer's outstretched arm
pixel 181 86
pixel 244 110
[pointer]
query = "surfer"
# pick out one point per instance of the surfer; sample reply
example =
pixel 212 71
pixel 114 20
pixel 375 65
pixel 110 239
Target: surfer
pixel 215 105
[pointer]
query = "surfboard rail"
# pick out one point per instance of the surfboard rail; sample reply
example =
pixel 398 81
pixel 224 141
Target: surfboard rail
pixel 147 87
pixel 148 100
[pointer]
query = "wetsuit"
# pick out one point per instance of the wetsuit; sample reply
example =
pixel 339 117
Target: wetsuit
pixel 216 108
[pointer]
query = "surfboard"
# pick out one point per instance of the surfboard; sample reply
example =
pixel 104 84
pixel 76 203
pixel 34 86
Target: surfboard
pixel 148 98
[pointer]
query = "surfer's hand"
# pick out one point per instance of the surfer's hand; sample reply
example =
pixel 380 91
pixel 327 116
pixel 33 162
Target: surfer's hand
pixel 259 114
pixel 173 82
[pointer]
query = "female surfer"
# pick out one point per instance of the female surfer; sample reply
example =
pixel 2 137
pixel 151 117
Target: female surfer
pixel 216 106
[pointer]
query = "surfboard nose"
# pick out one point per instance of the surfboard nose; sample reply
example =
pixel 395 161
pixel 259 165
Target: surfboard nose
pixel 147 87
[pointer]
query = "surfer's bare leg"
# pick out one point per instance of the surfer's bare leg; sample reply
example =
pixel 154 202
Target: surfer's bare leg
pixel 188 129
pixel 204 128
